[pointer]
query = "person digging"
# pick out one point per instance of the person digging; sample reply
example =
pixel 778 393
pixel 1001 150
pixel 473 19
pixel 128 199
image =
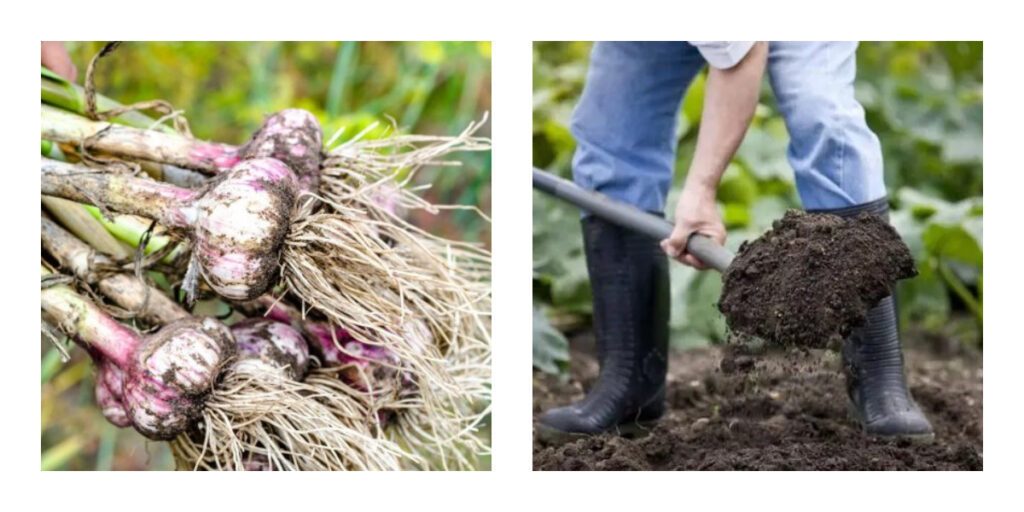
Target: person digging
pixel 624 126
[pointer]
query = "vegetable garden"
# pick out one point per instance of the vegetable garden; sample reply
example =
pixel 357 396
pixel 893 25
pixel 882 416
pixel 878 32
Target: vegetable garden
pixel 924 100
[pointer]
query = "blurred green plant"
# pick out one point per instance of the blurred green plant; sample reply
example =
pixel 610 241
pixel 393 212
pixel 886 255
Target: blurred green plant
pixel 225 89
pixel 923 99
pixel 550 348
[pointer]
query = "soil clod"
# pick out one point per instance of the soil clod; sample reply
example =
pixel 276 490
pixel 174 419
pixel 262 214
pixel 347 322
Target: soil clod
pixel 811 279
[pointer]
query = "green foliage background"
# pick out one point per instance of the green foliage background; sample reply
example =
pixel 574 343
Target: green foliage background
pixel 923 99
pixel 225 89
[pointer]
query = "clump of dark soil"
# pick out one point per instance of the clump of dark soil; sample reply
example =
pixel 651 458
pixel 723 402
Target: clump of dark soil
pixel 811 279
pixel 781 410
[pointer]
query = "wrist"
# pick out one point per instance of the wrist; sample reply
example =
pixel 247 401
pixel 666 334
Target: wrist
pixel 703 179
pixel 702 189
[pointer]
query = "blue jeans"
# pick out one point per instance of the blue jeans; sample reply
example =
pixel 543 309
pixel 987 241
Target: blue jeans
pixel 625 121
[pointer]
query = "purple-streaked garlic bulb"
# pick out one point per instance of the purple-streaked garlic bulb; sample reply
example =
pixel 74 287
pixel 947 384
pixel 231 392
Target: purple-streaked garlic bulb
pixel 274 343
pixel 165 376
pixel 293 136
pixel 237 225
pixel 170 373
pixel 240 225
pixel 363 366
pixel 109 385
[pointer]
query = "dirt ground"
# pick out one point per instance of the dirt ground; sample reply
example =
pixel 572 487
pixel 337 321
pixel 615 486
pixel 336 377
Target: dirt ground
pixel 779 410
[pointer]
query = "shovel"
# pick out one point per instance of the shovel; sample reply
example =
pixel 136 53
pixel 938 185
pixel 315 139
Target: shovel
pixel 630 217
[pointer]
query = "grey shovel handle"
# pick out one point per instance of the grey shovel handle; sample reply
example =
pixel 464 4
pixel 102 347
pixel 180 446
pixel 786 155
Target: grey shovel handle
pixel 630 217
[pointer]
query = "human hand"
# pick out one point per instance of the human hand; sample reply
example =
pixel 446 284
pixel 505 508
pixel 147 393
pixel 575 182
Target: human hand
pixel 696 212
pixel 56 57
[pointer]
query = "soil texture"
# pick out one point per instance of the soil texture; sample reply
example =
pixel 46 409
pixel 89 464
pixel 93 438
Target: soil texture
pixel 811 279
pixel 784 409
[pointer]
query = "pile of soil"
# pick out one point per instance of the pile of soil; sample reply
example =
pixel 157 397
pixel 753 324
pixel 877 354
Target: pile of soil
pixel 781 410
pixel 810 280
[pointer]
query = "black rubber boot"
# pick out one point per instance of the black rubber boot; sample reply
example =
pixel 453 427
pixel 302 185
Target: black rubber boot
pixel 629 279
pixel 873 363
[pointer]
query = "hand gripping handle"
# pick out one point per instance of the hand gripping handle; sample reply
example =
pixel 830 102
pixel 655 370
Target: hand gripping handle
pixel 630 217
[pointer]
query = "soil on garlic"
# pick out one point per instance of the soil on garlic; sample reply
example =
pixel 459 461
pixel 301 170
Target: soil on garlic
pixel 782 410
pixel 293 136
pixel 810 280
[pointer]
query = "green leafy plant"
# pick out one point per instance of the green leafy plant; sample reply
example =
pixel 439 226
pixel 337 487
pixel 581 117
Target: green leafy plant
pixel 550 348
pixel 946 241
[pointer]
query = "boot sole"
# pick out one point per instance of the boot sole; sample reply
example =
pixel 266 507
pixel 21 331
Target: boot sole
pixel 632 430
pixel 925 438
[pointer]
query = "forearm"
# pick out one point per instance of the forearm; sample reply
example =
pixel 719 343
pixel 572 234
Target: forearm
pixel 730 98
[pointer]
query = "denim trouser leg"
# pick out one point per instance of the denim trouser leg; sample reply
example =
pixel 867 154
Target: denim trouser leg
pixel 624 124
pixel 836 157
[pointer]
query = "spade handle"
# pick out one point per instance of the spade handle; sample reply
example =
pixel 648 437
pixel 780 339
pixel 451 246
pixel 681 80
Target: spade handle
pixel 630 217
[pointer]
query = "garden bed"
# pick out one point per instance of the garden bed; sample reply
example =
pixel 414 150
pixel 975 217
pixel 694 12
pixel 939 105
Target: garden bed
pixel 780 410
